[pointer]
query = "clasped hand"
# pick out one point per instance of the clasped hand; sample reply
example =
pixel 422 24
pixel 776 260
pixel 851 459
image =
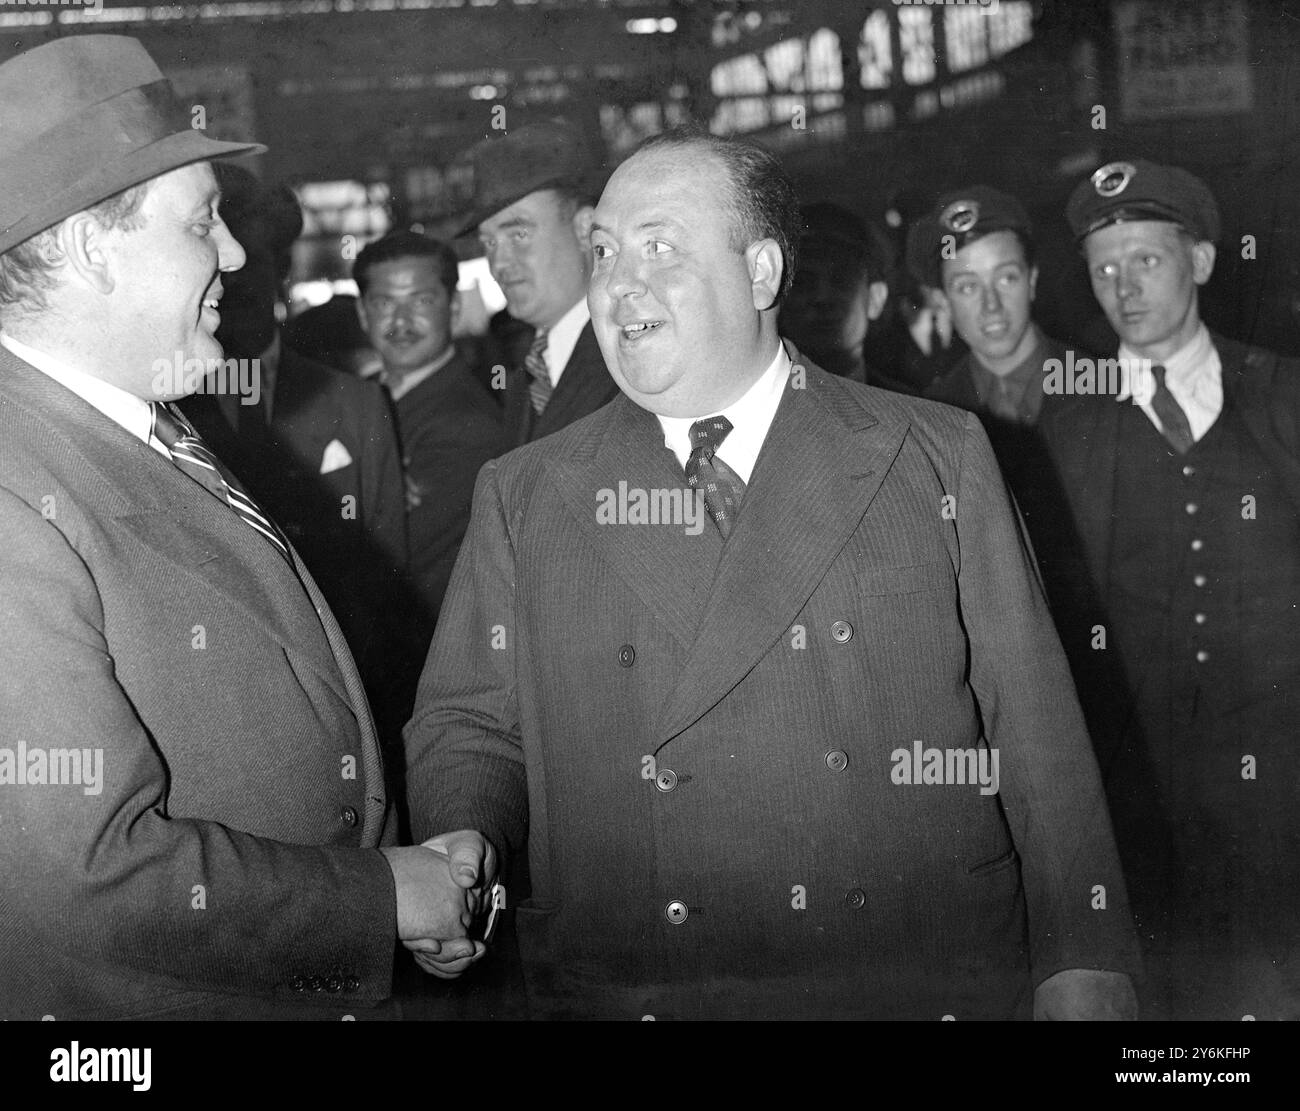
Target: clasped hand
pixel 442 885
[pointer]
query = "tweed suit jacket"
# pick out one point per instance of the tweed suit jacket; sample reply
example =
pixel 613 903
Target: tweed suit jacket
pixel 226 864
pixel 701 739
pixel 584 387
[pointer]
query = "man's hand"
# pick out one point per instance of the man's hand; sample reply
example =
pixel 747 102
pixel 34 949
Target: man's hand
pixel 446 880
pixel 1085 994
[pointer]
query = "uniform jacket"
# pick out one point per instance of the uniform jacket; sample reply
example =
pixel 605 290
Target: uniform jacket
pixel 225 866
pixel 584 387
pixel 701 740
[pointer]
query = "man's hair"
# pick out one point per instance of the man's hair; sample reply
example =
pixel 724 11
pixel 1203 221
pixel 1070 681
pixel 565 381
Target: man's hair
pixel 29 271
pixel 407 244
pixel 763 203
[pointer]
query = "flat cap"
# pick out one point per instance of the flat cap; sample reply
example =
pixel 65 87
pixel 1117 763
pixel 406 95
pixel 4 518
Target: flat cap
pixel 1121 192
pixel 965 215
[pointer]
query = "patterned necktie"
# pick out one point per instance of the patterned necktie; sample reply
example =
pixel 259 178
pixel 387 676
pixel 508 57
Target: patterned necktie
pixel 192 456
pixel 723 488
pixel 539 389
pixel 1173 421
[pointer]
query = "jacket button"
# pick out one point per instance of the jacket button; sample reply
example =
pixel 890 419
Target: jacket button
pixel 841 632
pixel 1191 508
pixel 855 899
pixel 626 656
pixel 666 780
pixel 348 816
pixel 837 761
pixel 1199 580
pixel 1188 471
pixel 676 912
pixel 1202 656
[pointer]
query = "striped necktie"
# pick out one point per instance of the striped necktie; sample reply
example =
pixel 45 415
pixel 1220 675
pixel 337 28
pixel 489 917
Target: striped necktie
pixel 722 487
pixel 539 389
pixel 192 456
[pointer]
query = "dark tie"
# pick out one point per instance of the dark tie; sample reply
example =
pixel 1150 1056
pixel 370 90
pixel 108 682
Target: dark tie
pixel 722 487
pixel 191 455
pixel 539 389
pixel 1173 421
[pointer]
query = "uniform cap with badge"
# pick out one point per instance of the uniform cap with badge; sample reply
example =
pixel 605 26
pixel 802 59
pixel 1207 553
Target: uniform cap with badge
pixel 958 219
pixel 1125 192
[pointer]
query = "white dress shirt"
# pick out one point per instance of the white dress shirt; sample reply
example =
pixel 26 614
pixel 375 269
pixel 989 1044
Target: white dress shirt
pixel 131 412
pixel 562 338
pixel 1193 374
pixel 751 416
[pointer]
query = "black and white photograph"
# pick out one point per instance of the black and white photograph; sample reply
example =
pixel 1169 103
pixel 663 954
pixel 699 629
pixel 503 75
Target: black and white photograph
pixel 521 512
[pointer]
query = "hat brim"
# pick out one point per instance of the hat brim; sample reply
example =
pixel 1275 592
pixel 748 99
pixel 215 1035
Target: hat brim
pixel 182 148
pixel 491 206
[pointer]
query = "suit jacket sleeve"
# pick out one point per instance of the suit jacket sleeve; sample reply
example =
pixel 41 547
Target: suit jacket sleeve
pixel 465 765
pixel 109 875
pixel 1050 788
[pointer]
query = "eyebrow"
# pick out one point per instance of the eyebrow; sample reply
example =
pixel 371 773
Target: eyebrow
pixel 648 225
pixel 513 222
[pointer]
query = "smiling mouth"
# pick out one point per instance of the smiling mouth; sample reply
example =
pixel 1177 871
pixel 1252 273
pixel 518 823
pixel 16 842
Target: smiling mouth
pixel 632 331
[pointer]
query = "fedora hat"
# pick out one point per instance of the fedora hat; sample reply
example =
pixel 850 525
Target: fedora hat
pixel 82 119
pixel 539 156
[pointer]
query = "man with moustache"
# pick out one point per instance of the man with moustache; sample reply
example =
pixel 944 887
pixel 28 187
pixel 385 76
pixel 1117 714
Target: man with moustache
pixel 1185 487
pixel 700 730
pixel 448 424
pixel 235 858
pixel 532 213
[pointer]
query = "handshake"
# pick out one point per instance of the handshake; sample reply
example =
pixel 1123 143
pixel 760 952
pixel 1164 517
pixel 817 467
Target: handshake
pixel 443 886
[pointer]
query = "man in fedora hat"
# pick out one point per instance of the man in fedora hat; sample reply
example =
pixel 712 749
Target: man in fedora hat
pixel 532 209
pixel 191 796
pixel 1182 470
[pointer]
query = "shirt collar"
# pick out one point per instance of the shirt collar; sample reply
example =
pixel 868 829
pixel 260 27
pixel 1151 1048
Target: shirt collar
pixel 125 409
pixel 408 382
pixel 1192 372
pixel 751 416
pixel 1019 381
pixel 562 338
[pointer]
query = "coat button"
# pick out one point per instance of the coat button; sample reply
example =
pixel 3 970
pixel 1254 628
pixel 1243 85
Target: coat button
pixel 348 816
pixel 1188 471
pixel 666 780
pixel 1199 619
pixel 1191 508
pixel 676 912
pixel 1199 580
pixel 626 656
pixel 837 761
pixel 1202 656
pixel 1197 545
pixel 855 899
pixel 841 632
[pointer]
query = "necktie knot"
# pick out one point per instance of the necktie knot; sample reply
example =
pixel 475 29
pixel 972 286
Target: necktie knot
pixel 1174 425
pixel 168 426
pixel 707 435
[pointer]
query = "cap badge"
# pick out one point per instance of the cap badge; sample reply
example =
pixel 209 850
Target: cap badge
pixel 960 216
pixel 1113 178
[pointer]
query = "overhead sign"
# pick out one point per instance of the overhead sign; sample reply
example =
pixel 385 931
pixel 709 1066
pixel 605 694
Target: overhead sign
pixel 1182 59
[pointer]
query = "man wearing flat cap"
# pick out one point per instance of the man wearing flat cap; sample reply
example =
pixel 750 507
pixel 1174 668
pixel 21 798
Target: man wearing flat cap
pixel 532 208
pixel 191 796
pixel 1184 484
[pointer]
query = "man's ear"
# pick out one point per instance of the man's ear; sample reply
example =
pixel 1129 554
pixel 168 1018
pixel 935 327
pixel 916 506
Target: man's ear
pixel 766 268
pixel 455 310
pixel 1203 255
pixel 1033 282
pixel 361 314
pixel 582 221
pixel 877 295
pixel 83 243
